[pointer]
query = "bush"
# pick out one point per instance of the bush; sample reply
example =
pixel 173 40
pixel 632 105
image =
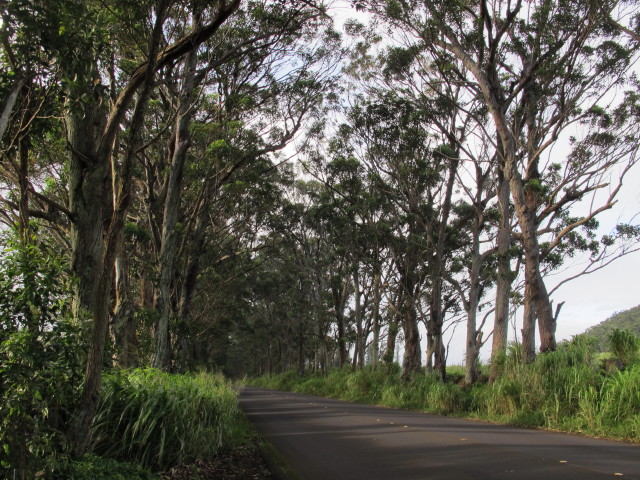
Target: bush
pixel 40 357
pixel 161 420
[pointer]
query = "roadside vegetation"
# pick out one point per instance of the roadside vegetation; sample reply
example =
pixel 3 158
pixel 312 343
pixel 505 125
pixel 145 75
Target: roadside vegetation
pixel 161 420
pixel 146 420
pixel 571 389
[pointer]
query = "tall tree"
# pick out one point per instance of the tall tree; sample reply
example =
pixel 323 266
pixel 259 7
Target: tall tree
pixel 534 85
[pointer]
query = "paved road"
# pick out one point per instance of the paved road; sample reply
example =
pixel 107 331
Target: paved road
pixel 329 439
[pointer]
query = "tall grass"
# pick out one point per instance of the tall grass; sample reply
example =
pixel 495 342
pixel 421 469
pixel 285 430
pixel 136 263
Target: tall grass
pixel 160 420
pixel 564 390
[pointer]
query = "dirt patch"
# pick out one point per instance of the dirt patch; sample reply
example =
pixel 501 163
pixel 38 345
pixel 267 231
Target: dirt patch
pixel 243 463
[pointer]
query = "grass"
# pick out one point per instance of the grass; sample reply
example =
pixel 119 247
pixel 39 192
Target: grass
pixel 159 420
pixel 567 390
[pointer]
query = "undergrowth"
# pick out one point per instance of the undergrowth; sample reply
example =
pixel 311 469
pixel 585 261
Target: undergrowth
pixel 97 468
pixel 566 390
pixel 160 420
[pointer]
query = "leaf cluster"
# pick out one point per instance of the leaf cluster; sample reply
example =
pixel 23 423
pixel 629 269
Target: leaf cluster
pixel 40 355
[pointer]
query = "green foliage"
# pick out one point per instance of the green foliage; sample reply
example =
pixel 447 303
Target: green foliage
pixel 161 420
pixel 620 399
pixel 624 345
pixel 40 355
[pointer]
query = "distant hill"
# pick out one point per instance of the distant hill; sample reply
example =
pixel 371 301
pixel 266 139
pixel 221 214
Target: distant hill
pixel 626 320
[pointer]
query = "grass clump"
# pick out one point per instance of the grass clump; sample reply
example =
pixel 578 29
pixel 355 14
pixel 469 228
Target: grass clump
pixel 159 420
pixel 625 346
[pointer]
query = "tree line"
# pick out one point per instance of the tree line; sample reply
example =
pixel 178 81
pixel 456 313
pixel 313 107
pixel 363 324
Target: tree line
pixel 235 184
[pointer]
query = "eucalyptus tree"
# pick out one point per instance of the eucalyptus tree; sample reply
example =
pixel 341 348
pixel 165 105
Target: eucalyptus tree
pixel 540 68
pixel 395 138
pixel 92 127
pixel 350 207
pixel 478 271
pixel 457 120
pixel 253 104
pixel 101 92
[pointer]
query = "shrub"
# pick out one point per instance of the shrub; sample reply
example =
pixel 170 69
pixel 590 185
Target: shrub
pixel 40 357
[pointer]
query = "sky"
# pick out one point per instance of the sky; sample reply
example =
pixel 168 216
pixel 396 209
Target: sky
pixel 589 299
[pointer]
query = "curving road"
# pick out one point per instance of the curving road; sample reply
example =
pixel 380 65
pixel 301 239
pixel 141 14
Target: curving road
pixel 323 439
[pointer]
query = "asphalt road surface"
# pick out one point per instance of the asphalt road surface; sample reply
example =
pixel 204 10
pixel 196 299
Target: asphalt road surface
pixel 327 439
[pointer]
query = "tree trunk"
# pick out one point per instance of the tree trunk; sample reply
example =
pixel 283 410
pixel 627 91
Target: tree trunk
pixel 88 195
pixel 536 299
pixel 301 351
pixel 359 347
pixel 339 297
pixel 23 180
pixel 124 328
pixel 434 327
pixel 473 336
pixel 503 283
pixel 169 237
pixel 187 289
pixel 392 335
pixel 436 310
pixel 528 325
pixel 88 189
pixel 546 321
pixel 375 350
pixel 412 354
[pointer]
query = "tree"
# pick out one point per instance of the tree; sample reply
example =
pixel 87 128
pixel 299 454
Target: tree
pixel 253 107
pixel 534 85
pixel 94 114
pixel 393 136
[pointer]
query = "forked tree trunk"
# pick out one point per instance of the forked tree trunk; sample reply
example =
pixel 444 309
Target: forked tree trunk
pixel 339 298
pixel 434 327
pixel 359 347
pixel 412 354
pixel 536 298
pixel 411 360
pixel 436 310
